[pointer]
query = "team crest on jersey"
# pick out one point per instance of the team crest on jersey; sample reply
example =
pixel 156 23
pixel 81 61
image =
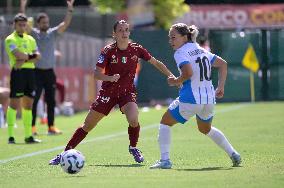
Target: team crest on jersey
pixel 25 46
pixel 101 58
pixel 124 59
pixel 113 59
pixel 134 58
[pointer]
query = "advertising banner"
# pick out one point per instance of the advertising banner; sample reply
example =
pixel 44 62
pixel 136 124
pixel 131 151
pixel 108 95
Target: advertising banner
pixel 235 16
pixel 80 86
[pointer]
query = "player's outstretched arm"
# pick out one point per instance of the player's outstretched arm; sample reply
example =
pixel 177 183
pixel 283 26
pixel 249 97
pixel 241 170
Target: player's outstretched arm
pixel 161 67
pixel 67 20
pixel 221 64
pixel 186 73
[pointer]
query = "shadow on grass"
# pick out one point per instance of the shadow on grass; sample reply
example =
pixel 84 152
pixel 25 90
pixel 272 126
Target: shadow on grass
pixel 74 176
pixel 205 169
pixel 119 166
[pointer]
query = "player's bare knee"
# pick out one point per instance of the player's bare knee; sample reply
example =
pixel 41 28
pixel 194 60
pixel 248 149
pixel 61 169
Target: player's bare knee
pixel 167 120
pixel 164 119
pixel 15 104
pixel 204 130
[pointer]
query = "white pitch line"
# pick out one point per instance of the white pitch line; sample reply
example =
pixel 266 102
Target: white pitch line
pixel 62 147
pixel 101 138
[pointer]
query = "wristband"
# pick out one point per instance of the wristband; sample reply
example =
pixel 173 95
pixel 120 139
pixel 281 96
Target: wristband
pixel 32 56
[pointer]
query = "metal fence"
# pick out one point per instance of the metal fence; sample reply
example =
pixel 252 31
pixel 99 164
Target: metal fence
pixel 231 45
pixel 268 45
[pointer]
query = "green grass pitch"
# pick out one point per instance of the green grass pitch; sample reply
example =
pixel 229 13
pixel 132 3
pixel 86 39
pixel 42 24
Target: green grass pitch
pixel 255 130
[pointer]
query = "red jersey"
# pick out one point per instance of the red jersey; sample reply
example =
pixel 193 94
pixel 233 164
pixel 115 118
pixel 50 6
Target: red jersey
pixel 122 62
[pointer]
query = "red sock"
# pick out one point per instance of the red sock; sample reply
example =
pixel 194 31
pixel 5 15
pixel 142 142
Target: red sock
pixel 133 133
pixel 77 137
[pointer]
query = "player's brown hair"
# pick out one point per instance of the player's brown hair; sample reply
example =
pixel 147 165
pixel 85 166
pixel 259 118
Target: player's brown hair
pixel 190 31
pixel 118 22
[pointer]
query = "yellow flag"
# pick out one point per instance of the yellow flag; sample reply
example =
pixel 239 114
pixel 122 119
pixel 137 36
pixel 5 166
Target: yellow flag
pixel 250 60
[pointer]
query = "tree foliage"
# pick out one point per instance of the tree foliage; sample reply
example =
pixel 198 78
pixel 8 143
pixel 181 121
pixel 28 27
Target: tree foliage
pixel 109 6
pixel 165 11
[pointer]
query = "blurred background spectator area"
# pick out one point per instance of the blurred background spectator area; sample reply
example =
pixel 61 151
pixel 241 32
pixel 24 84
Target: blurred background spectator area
pixel 229 28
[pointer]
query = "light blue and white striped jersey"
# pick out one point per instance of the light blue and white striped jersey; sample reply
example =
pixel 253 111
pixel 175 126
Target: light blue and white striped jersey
pixel 198 89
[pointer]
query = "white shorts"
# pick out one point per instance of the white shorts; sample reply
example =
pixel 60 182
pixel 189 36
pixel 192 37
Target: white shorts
pixel 181 112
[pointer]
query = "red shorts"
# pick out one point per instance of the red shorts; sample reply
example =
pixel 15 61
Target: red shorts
pixel 106 101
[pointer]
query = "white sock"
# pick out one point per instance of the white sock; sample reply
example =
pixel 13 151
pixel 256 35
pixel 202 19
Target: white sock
pixel 219 138
pixel 164 139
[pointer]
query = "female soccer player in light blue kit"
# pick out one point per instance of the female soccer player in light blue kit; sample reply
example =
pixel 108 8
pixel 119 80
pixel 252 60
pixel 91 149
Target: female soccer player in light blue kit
pixel 196 95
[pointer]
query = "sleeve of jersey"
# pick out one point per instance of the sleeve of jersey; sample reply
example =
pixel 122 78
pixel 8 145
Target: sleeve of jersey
pixel 181 59
pixel 11 45
pixel 54 30
pixel 144 54
pixel 33 32
pixel 212 58
pixel 33 45
pixel 102 60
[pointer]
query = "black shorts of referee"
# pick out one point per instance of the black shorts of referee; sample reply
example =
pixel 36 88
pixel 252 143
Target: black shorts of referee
pixel 22 83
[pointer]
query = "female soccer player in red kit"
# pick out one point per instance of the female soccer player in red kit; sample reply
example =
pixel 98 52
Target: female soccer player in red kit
pixel 116 67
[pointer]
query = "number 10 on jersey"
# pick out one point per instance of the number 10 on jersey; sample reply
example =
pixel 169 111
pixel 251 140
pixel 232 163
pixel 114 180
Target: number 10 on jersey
pixel 205 68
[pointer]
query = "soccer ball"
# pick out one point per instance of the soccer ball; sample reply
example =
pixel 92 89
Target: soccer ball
pixel 72 161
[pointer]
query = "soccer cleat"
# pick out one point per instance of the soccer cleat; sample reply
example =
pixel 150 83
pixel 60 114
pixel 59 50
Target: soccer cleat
pixel 236 159
pixel 55 160
pixel 34 130
pixel 137 154
pixel 162 164
pixel 52 130
pixel 32 140
pixel 11 140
